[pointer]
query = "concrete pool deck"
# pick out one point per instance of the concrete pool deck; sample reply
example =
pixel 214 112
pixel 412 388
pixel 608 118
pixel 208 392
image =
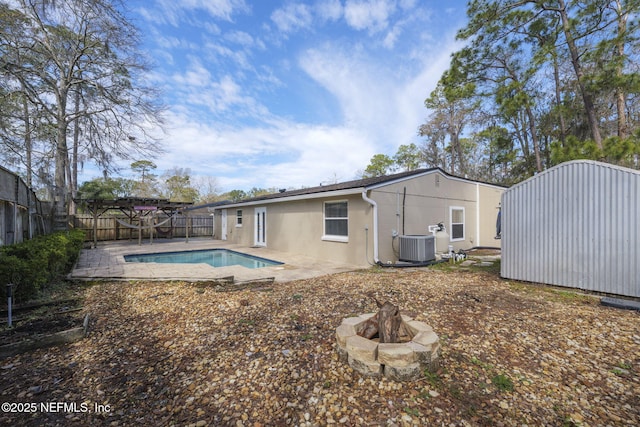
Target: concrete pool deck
pixel 107 262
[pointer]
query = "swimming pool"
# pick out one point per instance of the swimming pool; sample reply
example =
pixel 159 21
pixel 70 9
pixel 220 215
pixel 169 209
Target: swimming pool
pixel 213 257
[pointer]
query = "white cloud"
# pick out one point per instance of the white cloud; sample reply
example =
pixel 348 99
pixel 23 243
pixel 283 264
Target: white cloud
pixel 392 37
pixel 240 37
pixel 196 87
pixel 246 157
pixel 372 15
pixel 408 4
pixel 217 53
pixel 361 87
pixel 195 76
pixel 379 101
pixel 292 17
pixel 220 124
pixel 329 10
pixel 172 11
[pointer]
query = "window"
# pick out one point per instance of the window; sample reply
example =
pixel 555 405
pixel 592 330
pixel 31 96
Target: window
pixel 457 223
pixel 336 221
pixel 239 218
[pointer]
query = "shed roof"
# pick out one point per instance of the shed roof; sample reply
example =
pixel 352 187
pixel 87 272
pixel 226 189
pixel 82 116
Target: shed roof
pixel 576 163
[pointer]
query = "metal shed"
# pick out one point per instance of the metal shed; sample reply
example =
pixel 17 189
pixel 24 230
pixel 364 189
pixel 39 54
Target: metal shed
pixel 576 225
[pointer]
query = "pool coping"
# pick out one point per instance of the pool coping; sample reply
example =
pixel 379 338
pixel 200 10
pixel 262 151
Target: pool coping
pixel 106 262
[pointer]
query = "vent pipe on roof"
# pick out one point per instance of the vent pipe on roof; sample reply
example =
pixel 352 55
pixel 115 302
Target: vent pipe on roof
pixel 374 205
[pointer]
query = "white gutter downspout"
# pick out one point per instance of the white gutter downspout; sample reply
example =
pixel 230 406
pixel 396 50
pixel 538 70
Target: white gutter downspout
pixel 478 215
pixel 374 205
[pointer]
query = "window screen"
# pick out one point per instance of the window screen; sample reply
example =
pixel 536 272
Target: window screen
pixel 457 223
pixel 336 221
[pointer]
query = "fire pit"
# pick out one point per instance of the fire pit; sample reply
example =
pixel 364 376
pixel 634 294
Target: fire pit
pixel 417 347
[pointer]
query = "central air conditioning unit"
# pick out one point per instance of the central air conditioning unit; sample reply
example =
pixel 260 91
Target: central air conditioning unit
pixel 417 248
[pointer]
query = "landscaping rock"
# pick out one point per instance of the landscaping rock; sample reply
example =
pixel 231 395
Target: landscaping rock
pixel 511 354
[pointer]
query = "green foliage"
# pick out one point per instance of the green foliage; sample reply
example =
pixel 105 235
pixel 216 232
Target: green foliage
pixel 502 382
pixel 530 74
pixel 178 186
pixel 412 411
pixel 380 165
pixel 143 167
pixel 432 378
pixel 236 195
pixel 615 150
pixel 106 188
pixel 408 157
pixel 146 186
pixel 33 264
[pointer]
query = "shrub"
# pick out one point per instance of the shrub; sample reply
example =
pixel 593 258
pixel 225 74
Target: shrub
pixel 33 264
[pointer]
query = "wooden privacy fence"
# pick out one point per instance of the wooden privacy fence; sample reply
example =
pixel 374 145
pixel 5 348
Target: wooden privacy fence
pixel 109 228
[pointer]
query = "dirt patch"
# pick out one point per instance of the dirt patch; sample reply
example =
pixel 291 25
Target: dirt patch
pixel 33 320
pixel 175 353
pixel 484 252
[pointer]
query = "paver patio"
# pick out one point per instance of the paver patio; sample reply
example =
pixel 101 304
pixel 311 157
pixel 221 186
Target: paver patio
pixel 107 262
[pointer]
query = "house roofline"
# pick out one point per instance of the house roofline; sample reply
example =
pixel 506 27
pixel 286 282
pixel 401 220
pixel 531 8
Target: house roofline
pixel 306 196
pixel 432 171
pixel 352 188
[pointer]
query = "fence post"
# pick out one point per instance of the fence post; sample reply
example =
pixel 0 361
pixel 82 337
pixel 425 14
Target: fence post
pixel 9 302
pixel 186 228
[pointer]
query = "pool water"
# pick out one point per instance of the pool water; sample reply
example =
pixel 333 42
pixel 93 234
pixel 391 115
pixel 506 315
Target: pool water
pixel 213 257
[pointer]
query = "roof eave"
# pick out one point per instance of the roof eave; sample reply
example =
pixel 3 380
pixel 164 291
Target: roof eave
pixel 318 195
pixel 432 171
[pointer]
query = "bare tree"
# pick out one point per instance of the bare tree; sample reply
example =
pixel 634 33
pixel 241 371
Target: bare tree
pixel 78 62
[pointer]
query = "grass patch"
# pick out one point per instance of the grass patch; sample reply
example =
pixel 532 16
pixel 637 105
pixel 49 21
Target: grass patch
pixel 483 365
pixel 494 268
pixel 551 293
pixel 412 411
pixel 502 382
pixel 432 378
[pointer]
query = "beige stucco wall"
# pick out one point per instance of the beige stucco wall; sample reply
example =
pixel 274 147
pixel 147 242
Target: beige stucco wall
pixel 298 226
pixel 427 202
pixel 489 203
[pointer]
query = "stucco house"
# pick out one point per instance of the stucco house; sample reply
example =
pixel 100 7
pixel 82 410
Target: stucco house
pixel 361 222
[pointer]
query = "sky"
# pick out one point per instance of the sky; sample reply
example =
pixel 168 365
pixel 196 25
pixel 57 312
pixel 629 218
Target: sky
pixel 291 94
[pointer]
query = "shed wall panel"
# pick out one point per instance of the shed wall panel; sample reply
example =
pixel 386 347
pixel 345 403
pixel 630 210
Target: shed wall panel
pixel 575 225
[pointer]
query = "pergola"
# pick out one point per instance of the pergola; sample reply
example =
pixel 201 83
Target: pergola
pixel 134 207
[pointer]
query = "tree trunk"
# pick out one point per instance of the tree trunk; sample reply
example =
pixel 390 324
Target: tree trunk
pixel 61 159
pixel 556 77
pixel 27 137
pixel 534 138
pixel 621 104
pixel 587 98
pixel 73 175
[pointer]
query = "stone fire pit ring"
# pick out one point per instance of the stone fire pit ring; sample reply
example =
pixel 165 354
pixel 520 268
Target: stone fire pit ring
pixel 403 361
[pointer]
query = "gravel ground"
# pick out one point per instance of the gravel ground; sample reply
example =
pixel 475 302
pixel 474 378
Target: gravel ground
pixel 181 354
